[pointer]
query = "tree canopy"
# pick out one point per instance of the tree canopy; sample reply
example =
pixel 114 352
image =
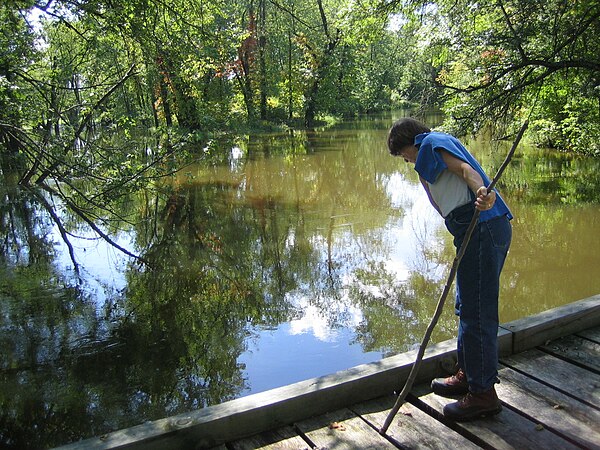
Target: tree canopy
pixel 511 58
pixel 69 65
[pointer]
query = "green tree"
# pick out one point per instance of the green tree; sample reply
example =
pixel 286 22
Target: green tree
pixel 16 44
pixel 504 59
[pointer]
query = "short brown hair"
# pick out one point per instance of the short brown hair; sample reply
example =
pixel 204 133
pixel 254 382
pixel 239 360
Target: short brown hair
pixel 403 133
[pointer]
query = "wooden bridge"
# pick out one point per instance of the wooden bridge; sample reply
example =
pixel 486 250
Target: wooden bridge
pixel 550 390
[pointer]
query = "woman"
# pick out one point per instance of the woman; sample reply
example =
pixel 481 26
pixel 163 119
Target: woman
pixel 456 185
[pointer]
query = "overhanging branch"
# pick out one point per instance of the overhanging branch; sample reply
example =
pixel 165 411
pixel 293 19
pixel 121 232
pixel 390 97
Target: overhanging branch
pixel 92 225
pixel 59 224
pixel 108 93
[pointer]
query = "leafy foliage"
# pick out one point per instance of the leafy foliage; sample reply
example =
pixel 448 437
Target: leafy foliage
pixel 516 58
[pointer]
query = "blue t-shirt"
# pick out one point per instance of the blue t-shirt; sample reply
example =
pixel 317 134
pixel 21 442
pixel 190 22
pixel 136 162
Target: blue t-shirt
pixel 430 164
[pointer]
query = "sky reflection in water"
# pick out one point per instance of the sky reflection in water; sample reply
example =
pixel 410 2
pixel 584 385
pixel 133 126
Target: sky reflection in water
pixel 343 251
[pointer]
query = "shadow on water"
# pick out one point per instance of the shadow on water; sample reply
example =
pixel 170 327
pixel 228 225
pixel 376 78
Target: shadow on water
pixel 314 242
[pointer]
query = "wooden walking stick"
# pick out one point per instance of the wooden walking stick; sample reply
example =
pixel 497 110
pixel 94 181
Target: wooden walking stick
pixel 438 311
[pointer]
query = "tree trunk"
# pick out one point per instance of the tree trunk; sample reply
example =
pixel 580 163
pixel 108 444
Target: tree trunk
pixel 311 103
pixel 290 80
pixel 321 68
pixel 247 61
pixel 165 103
pixel 262 40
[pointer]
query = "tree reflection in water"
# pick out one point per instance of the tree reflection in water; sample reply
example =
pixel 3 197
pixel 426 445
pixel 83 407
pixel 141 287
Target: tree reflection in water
pixel 321 222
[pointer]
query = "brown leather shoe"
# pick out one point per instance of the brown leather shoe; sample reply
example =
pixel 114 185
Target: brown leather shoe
pixel 473 406
pixel 454 385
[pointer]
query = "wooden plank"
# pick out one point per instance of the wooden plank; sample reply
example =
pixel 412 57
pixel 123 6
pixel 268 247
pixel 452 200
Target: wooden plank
pixel 575 349
pixel 558 412
pixel 568 378
pixel 504 431
pixel 592 334
pixel 284 438
pixel 411 427
pixel 535 330
pixel 342 430
pixel 246 416
pixel 505 343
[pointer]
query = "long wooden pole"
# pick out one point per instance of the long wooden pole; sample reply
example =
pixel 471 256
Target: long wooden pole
pixel 440 306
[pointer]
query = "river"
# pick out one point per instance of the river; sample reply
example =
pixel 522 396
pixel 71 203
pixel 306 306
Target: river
pixel 305 253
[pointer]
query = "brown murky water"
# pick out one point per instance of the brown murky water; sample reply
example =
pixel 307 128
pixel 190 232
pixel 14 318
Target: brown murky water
pixel 379 254
pixel 306 253
pixel 363 209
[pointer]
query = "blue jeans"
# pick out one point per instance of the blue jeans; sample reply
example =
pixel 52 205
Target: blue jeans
pixel 477 288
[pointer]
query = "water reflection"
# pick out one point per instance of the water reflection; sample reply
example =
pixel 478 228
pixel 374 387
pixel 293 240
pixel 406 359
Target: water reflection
pixel 300 254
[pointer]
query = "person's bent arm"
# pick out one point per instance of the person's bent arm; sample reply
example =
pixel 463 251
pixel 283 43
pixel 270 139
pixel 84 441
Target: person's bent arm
pixel 465 171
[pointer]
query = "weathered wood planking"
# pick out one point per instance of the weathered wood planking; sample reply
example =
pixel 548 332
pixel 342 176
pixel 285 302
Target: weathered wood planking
pixel 556 411
pixel 561 375
pixel 411 428
pixel 342 430
pixel 505 431
pixel 278 407
pixel 592 334
pixel 577 350
pixel 284 438
pixel 536 330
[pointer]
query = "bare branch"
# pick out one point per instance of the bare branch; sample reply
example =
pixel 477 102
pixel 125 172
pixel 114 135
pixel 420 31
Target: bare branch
pixel 323 19
pixel 92 225
pixel 108 93
pixel 58 222
pixel 440 306
pixel 292 14
pixel 512 30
